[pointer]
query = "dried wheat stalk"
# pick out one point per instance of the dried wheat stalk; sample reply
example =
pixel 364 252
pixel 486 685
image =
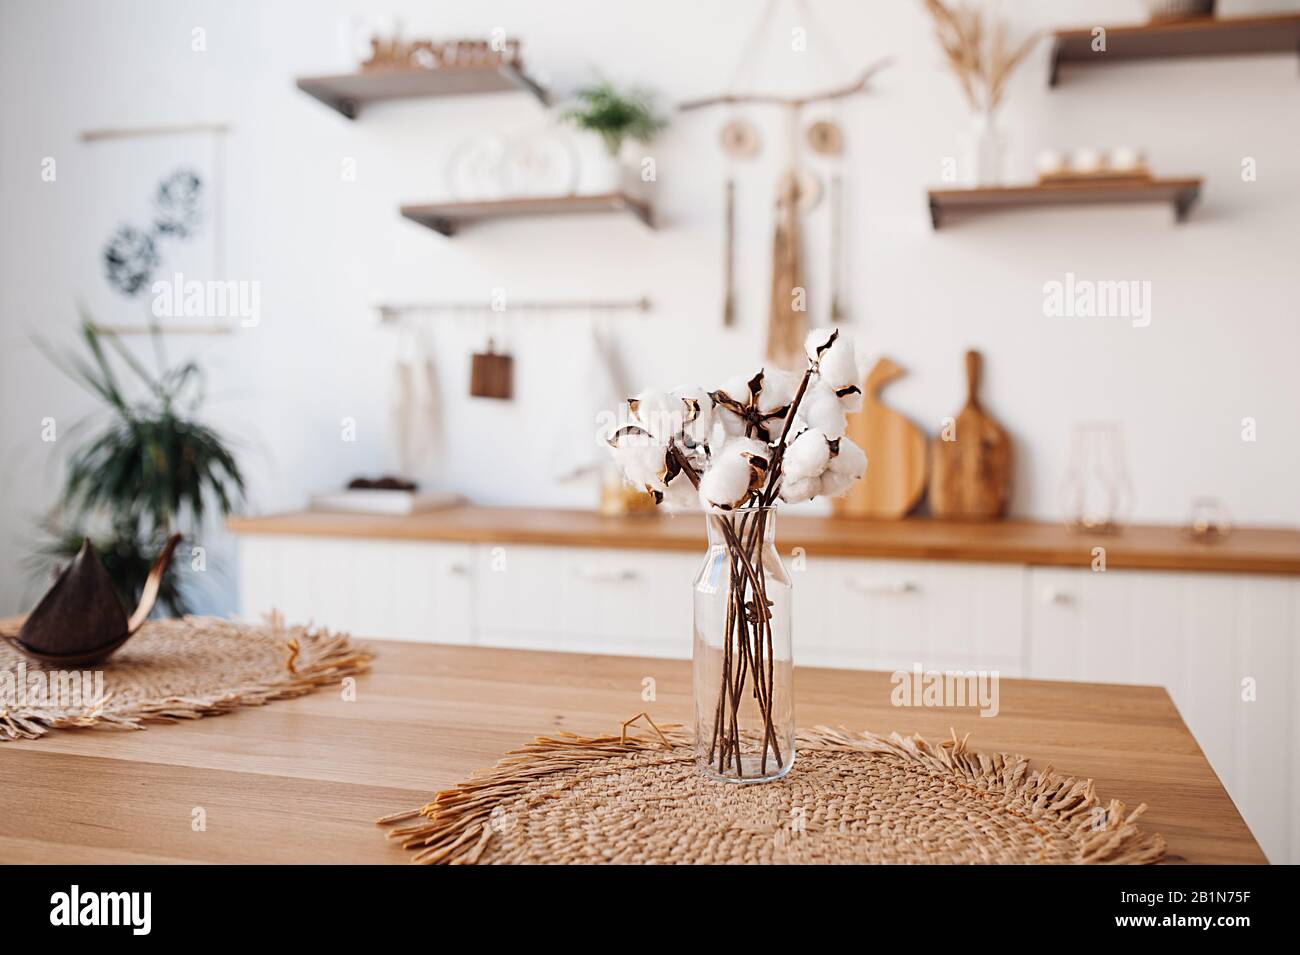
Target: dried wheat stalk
pixel 978 50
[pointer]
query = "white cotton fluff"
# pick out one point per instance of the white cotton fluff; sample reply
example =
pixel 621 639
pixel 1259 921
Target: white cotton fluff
pixel 727 483
pixel 680 495
pixel 796 492
pixel 839 471
pixel 659 413
pixel 822 409
pixel 807 456
pixel 737 389
pixel 699 429
pixel 778 390
pixel 642 460
pixel 844 468
pixel 837 365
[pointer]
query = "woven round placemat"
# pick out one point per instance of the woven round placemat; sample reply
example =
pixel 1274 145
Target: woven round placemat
pixel 848 799
pixel 176 670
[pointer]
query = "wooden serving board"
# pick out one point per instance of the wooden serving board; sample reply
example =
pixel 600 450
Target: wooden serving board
pixel 971 478
pixel 895 448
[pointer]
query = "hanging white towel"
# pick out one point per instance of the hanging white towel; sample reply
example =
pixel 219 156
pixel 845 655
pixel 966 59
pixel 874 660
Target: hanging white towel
pixel 415 411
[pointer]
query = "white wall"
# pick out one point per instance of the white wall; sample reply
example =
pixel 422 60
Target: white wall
pixel 1222 344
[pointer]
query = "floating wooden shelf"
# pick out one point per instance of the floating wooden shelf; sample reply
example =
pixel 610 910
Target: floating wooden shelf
pixel 1205 36
pixel 348 92
pixel 449 217
pixel 1181 192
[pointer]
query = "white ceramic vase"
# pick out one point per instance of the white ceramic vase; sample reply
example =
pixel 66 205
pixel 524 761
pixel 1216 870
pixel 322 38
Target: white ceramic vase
pixel 985 147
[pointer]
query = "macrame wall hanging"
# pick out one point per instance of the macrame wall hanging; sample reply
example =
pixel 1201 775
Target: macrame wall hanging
pixel 798 188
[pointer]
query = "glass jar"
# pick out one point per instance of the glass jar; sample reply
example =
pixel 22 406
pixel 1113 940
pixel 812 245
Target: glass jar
pixel 744 671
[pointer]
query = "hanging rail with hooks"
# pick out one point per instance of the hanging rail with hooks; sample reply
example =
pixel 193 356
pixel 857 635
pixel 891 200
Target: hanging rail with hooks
pixel 389 313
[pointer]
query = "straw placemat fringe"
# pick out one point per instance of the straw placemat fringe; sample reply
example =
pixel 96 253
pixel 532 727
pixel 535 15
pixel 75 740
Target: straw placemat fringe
pixel 1069 821
pixel 266 663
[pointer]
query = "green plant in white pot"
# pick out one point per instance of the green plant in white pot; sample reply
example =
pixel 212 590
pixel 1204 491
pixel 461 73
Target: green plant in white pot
pixel 614 118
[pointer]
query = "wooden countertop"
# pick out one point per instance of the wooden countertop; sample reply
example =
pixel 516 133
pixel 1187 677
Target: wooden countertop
pixel 302 780
pixel 1152 547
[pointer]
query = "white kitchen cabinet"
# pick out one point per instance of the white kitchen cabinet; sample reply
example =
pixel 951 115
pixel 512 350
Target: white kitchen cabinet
pixel 593 600
pixel 398 590
pixel 891 614
pixel 1197 634
pixel 1201 636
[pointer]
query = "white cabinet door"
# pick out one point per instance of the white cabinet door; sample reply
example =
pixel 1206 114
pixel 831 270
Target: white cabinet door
pixel 1212 640
pixel 591 600
pixel 396 590
pixel 888 614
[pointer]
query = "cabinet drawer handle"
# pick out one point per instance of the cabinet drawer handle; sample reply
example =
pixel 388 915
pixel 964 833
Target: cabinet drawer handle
pixel 458 570
pixel 872 585
pixel 1059 598
pixel 606 575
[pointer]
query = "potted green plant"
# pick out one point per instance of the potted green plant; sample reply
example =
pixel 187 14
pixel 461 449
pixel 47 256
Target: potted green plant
pixel 154 469
pixel 613 118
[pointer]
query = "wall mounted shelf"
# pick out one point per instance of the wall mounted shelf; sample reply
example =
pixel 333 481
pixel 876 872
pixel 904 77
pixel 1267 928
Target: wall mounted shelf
pixel 348 92
pixel 1204 36
pixel 1182 193
pixel 449 217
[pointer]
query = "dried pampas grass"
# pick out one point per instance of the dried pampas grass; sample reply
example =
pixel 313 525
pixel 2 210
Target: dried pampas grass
pixel 978 50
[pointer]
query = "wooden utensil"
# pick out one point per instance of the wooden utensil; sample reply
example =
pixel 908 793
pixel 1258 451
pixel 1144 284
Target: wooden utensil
pixel 729 266
pixel 491 375
pixel 895 448
pixel 971 477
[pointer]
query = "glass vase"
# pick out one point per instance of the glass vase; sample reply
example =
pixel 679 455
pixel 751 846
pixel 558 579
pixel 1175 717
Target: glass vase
pixel 743 666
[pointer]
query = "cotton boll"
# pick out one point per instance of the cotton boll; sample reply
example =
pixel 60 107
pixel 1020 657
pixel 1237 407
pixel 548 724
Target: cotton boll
pixel 658 412
pixel 732 394
pixel 822 409
pixel 844 468
pixel 778 390
pixel 804 489
pixel 726 483
pixel 835 357
pixel 680 494
pixel 839 366
pixel 818 342
pixel 851 459
pixel 734 473
pixel 641 460
pixel 697 410
pixel 807 456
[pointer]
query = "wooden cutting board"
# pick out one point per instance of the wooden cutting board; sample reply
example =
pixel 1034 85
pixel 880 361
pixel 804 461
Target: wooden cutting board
pixel 971 477
pixel 895 448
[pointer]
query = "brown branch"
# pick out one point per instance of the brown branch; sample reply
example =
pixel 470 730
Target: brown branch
pixel 795 102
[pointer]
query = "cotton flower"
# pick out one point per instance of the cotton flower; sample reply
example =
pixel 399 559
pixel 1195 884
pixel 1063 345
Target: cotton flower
pixel 658 419
pixel 807 456
pixel 846 466
pixel 698 417
pixel 822 409
pixel 822 466
pixel 739 468
pixel 755 404
pixel 680 494
pixel 642 458
pixel 832 355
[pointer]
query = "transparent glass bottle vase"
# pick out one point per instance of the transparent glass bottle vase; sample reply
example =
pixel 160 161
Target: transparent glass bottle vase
pixel 743 666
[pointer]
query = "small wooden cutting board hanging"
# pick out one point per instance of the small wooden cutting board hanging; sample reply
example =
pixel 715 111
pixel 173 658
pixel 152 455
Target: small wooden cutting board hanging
pixel 895 449
pixel 491 374
pixel 971 477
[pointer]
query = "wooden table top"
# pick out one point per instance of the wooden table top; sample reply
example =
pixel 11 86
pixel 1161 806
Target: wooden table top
pixel 302 780
pixel 1151 547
